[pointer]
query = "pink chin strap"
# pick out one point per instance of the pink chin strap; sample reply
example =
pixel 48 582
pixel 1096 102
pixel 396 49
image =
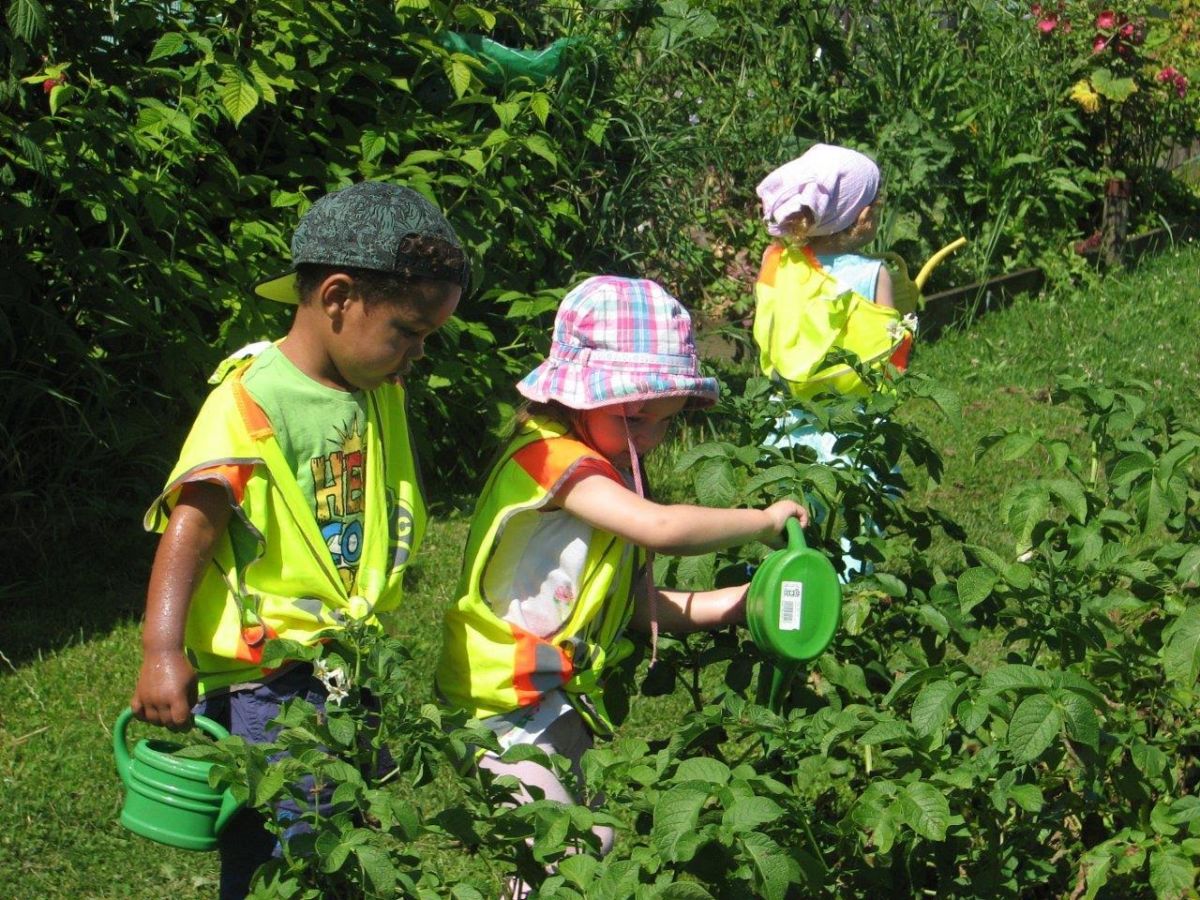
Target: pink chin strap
pixel 651 590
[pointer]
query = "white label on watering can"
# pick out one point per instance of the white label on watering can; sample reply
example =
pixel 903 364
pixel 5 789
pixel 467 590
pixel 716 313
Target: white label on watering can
pixel 791 599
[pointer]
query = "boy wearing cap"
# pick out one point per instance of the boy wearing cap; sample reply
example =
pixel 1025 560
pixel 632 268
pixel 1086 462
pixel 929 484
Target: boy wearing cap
pixel 295 505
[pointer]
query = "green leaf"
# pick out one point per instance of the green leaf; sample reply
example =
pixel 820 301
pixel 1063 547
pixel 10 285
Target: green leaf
pixel 342 728
pixel 679 890
pixel 238 97
pixel 1181 652
pixel 926 810
pixel 379 868
pixel 1011 677
pixel 417 157
pixel 1189 567
pixel 748 813
pixel 1172 874
pixel 26 19
pixel 676 815
pixel 1027 796
pixel 168 45
pixel 372 144
pixel 57 94
pixel 459 76
pixel 1033 727
pixel 702 768
pixel 932 707
pixel 715 483
pixel 540 104
pixel 770 862
pixel 540 146
pixel 1072 496
pixel 1024 507
pixel 1083 725
pixel 696 573
pixel 1112 88
pixel 885 732
pixel 974 586
pixel 579 869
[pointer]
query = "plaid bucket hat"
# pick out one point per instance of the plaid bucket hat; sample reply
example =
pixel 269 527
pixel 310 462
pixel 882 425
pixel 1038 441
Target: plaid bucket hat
pixel 619 340
pixel 369 225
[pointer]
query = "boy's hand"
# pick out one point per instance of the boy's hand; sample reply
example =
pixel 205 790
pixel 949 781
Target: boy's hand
pixel 778 513
pixel 166 690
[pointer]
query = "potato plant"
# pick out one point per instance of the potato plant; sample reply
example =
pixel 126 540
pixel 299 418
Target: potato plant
pixel 1019 723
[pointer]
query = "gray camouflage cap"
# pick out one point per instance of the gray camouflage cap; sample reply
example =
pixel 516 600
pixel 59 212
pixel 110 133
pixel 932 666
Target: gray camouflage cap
pixel 368 226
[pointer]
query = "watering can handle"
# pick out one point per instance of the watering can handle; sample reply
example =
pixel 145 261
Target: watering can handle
pixel 121 749
pixel 795 535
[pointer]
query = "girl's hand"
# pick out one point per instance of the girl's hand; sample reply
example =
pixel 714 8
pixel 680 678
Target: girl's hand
pixel 778 513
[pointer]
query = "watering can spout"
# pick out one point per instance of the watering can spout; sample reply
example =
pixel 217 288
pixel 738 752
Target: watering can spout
pixel 229 808
pixel 934 260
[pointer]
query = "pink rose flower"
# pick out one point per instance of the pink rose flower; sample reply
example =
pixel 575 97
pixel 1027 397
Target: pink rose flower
pixel 1099 42
pixel 1048 24
pixel 1181 84
pixel 1167 73
pixel 1106 20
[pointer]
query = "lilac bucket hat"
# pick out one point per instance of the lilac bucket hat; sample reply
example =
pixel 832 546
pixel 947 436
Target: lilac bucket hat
pixel 836 183
pixel 619 340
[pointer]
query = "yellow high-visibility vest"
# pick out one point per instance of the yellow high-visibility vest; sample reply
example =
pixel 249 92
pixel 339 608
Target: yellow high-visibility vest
pixel 291 588
pixel 491 667
pixel 801 314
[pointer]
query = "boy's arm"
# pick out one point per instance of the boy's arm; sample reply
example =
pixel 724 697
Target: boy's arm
pixel 166 687
pixel 683 611
pixel 678 529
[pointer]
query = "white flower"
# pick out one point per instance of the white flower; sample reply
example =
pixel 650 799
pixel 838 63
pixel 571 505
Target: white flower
pixel 678 93
pixel 337 693
pixel 898 330
pixel 642 226
pixel 335 680
pixel 751 93
pixel 817 54
pixel 693 119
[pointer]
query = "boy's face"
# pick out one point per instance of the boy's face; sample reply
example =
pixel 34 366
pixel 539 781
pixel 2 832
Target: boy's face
pixel 647 422
pixel 377 340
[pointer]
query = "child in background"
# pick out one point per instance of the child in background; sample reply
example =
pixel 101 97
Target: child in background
pixel 295 503
pixel 563 528
pixel 816 293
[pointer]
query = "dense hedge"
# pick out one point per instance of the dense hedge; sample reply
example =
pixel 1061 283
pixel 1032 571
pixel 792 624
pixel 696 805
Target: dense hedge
pixel 155 156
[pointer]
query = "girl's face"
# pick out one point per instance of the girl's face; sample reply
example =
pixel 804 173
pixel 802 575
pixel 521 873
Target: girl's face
pixel 604 428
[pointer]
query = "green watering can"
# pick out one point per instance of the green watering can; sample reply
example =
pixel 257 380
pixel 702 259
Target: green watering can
pixel 168 798
pixel 793 609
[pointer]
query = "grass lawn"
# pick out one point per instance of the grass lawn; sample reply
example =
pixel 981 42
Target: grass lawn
pixel 70 641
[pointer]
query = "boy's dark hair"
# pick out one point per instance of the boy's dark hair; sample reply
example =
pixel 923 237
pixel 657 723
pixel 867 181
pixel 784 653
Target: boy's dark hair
pixel 421 258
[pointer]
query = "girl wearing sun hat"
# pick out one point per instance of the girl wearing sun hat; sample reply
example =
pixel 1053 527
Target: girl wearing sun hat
pixel 557 561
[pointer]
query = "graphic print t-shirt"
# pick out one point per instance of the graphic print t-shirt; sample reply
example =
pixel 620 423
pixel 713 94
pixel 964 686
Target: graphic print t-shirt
pixel 320 431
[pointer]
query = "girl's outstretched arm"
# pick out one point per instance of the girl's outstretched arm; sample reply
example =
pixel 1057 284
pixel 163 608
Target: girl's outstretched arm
pixel 678 529
pixel 683 611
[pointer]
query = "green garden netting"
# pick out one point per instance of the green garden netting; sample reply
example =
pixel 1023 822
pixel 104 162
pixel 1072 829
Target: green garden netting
pixel 503 63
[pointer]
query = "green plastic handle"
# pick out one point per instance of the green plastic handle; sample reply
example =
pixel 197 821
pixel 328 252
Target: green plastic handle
pixel 795 535
pixel 121 749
